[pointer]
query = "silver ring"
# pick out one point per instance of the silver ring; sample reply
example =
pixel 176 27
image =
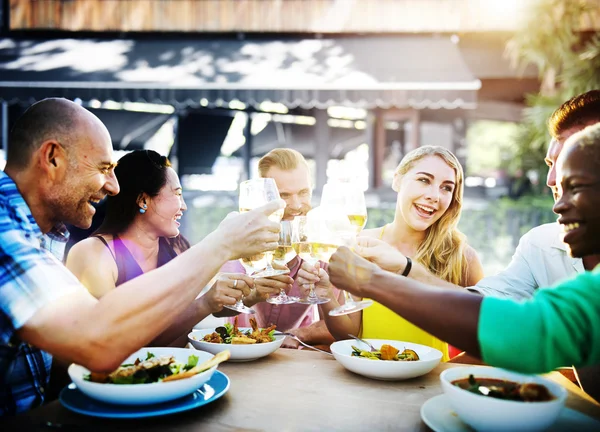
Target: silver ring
pixel 235 282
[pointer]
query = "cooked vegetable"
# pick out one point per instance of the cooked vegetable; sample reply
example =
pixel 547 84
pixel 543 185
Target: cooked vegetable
pixel 504 389
pixel 230 334
pixel 153 369
pixel 386 352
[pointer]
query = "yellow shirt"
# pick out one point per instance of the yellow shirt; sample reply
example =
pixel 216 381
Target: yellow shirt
pixel 379 322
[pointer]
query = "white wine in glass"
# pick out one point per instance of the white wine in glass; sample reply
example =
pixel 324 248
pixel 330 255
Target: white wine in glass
pixel 348 199
pixel 354 206
pixel 358 221
pixel 311 252
pixel 282 256
pixel 254 263
pixel 255 193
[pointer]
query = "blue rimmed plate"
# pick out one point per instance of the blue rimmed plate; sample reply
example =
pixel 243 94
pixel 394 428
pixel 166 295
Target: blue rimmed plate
pixel 72 398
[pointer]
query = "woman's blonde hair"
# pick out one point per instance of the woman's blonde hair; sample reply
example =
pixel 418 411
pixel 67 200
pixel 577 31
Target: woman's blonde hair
pixel 442 250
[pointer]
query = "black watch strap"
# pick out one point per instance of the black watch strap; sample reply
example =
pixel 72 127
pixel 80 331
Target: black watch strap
pixel 408 267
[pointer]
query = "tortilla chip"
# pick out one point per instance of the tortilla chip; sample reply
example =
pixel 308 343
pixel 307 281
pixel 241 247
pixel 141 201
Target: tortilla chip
pixel 219 358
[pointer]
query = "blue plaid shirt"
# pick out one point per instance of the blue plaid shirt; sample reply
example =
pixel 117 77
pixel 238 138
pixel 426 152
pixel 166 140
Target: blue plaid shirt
pixel 31 276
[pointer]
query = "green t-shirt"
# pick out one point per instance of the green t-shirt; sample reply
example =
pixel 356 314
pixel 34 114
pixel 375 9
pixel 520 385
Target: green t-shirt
pixel 559 326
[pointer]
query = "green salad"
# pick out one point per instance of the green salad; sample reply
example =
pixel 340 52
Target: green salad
pixel 151 370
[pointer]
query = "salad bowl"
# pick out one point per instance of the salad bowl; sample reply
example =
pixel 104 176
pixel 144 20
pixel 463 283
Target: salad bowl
pixel 141 394
pixel 239 352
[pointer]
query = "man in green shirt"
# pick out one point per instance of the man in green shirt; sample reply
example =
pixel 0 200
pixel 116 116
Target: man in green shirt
pixel 559 326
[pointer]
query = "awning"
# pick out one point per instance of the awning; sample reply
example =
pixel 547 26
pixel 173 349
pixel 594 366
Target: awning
pixel 302 138
pixel 368 72
pixel 130 130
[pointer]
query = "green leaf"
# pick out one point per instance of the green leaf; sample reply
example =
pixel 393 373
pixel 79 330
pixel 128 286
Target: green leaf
pixel 149 355
pixel 127 380
pixel 192 361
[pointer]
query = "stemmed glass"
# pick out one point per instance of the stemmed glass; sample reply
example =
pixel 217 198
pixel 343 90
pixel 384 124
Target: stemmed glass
pixel 351 201
pixel 283 255
pixel 255 193
pixel 310 250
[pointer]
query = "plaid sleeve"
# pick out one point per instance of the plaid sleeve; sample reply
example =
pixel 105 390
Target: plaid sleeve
pixel 30 277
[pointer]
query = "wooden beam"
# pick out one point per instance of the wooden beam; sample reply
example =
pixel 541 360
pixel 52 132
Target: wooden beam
pixel 276 16
pixel 247 149
pixel 322 150
pixel 415 131
pixel 377 149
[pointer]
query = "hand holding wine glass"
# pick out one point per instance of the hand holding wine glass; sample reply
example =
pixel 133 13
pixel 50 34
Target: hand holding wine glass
pixel 255 193
pixel 305 233
pixel 351 201
pixel 283 255
pixel 251 233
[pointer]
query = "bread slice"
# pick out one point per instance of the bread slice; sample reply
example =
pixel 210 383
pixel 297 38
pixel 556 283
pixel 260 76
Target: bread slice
pixel 239 340
pixel 219 358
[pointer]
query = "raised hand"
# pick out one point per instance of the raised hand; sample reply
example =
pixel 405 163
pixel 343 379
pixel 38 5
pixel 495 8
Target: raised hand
pixel 250 233
pixel 267 287
pixel 350 272
pixel 379 252
pixel 308 274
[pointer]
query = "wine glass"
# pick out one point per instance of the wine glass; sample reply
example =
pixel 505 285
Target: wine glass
pixel 352 203
pixel 312 251
pixel 347 199
pixel 283 255
pixel 255 193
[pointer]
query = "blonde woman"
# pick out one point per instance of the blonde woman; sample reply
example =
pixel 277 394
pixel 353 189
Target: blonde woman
pixel 429 183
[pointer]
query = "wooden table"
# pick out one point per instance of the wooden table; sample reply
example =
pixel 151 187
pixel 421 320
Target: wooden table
pixel 287 391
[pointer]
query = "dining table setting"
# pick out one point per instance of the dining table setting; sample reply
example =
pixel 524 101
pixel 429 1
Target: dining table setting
pixel 290 390
pixel 232 378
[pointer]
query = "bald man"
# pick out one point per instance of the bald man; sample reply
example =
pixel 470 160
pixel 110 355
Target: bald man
pixel 59 163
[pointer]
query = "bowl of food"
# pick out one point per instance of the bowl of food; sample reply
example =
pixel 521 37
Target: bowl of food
pixel 148 376
pixel 493 399
pixel 245 344
pixel 392 360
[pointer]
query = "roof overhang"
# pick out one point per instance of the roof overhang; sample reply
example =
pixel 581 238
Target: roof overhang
pixel 368 72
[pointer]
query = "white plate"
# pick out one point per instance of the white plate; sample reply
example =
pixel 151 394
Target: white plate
pixel 141 394
pixel 386 370
pixel 439 416
pixel 239 353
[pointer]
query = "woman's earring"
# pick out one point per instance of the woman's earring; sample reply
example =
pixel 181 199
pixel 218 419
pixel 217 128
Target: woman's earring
pixel 143 209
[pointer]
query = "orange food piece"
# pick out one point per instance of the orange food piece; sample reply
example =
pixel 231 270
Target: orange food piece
pixel 388 352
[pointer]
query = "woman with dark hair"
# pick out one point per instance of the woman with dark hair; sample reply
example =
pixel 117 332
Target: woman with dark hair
pixel 140 233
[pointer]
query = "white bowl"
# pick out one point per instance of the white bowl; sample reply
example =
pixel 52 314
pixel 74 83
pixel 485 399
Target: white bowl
pixel 239 352
pixel 142 394
pixel 491 414
pixel 383 369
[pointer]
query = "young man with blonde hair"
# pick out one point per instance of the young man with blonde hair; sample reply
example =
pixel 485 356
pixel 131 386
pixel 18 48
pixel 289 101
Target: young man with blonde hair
pixel 292 176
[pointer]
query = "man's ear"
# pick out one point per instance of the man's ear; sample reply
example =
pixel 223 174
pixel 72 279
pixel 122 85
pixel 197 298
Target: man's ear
pixel 52 158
